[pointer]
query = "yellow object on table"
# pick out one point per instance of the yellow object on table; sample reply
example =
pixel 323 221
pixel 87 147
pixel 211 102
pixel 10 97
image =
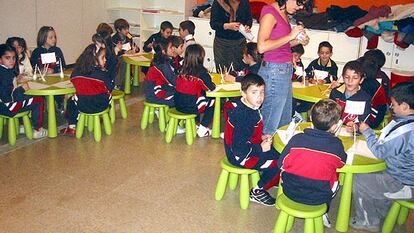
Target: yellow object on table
pixel 312 93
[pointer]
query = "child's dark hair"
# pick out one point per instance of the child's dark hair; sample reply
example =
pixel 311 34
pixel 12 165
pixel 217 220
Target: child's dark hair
pixel 22 43
pixel 404 92
pixel 105 27
pixel 120 24
pixel 6 48
pixel 176 41
pixel 251 79
pixel 369 66
pixel 378 55
pixel 42 35
pixel 298 49
pixel 355 66
pixel 325 113
pixel 166 25
pixel 193 60
pixel 88 60
pixel 251 49
pixel 282 3
pixel 325 44
pixel 160 56
pixel 188 25
pixel 104 37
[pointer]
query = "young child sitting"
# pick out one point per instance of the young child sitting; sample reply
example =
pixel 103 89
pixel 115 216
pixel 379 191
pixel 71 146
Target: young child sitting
pixel 12 97
pixel 243 140
pixel 351 91
pixel 371 193
pixel 309 161
pixel 123 37
pixel 186 31
pixel 252 59
pixel 297 52
pixel 23 59
pixel 382 77
pixel 192 84
pixel 165 32
pixel 176 59
pixel 323 63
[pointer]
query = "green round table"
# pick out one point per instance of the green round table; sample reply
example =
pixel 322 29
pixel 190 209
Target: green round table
pixel 137 69
pixel 218 94
pixel 360 165
pixel 50 93
pixel 312 93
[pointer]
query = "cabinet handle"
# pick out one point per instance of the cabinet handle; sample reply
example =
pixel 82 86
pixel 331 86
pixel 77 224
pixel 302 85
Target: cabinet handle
pixel 208 59
pixel 210 33
pixel 396 61
pixel 388 53
pixel 397 54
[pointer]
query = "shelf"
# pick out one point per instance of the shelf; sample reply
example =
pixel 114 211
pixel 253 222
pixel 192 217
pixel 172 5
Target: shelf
pixel 123 9
pixel 161 12
pixel 150 29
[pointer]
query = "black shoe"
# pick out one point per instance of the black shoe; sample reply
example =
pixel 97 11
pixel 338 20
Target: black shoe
pixel 262 197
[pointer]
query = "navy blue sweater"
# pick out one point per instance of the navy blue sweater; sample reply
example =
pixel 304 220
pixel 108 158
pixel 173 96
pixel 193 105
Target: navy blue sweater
pixel 330 67
pixel 36 58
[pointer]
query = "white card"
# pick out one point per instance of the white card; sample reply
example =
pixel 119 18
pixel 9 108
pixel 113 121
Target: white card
pixel 48 58
pixel 320 74
pixel 126 46
pixel 355 107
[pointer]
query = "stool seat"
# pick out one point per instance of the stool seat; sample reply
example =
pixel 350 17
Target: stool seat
pixel 398 213
pixel 190 125
pixel 179 115
pixel 225 164
pixel 13 126
pixel 300 210
pixel 149 112
pixel 120 96
pixel 94 124
pixel 117 94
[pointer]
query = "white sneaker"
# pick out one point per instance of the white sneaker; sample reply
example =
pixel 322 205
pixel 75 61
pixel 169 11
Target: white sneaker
pixel 404 193
pixel 180 130
pixel 203 131
pixel 326 222
pixel 222 135
pixel 40 133
pixel 157 113
pixel 21 129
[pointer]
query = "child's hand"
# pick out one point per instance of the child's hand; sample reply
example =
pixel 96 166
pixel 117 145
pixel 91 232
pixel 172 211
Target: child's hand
pixel 131 51
pixel 295 31
pixel 266 145
pixel 118 48
pixel 305 40
pixel 312 81
pixel 25 86
pixel 229 78
pixel 232 26
pixel 266 137
pixel 50 71
pixel 363 127
pixel 247 28
pixel 321 81
pixel 350 127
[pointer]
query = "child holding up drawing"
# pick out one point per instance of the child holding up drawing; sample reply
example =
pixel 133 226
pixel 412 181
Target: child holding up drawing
pixel 372 193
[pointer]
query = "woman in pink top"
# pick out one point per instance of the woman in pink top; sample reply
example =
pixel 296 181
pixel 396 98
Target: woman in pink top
pixel 275 39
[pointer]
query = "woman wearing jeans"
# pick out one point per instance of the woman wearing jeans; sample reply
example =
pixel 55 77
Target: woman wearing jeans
pixel 275 39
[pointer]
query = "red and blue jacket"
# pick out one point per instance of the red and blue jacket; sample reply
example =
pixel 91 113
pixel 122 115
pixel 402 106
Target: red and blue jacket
pixel 378 101
pixel 160 84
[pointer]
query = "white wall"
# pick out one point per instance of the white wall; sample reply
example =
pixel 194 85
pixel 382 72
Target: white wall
pixel 74 21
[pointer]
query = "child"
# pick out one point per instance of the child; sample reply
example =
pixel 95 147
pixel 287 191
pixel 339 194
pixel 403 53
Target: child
pixel 243 140
pixel 93 86
pixel 165 32
pixel 123 37
pixel 177 51
pixel 105 27
pixel 103 39
pixel 12 97
pixel 23 60
pixel 186 31
pixel 192 84
pixel 46 43
pixel 309 161
pixel 297 52
pixel 371 193
pixel 160 80
pixel 351 91
pixel 373 88
pixel 252 59
pixel 379 56
pixel 323 63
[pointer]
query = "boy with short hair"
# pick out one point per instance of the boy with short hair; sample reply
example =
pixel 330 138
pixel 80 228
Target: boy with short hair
pixel 166 29
pixel 297 52
pixel 123 36
pixel 186 31
pixel 176 59
pixel 309 161
pixel 372 192
pixel 243 140
pixel 323 63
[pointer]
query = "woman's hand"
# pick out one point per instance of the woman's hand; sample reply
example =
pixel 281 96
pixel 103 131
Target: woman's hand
pixel 266 144
pixel 295 31
pixel 232 26
pixel 305 40
pixel 247 29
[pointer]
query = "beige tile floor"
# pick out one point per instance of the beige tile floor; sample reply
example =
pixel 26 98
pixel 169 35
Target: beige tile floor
pixel 131 181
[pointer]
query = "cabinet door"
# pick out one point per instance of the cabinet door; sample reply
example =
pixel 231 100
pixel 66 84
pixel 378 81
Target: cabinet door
pixel 203 33
pixel 316 37
pixel 403 59
pixel 209 59
pixel 345 48
pixel 386 47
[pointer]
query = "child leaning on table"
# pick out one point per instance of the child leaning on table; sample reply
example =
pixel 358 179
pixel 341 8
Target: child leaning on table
pixel 12 97
pixel 372 192
pixel 243 140
pixel 309 161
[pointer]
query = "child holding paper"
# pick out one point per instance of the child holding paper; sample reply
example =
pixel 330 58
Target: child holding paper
pixel 252 59
pixel 323 63
pixel 166 29
pixel 355 103
pixel 372 193
pixel 12 97
pixel 245 147
pixel 309 161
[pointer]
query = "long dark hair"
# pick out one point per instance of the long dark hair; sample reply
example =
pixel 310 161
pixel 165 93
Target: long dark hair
pixel 251 49
pixel 104 37
pixel 193 60
pixel 88 59
pixel 160 56
pixel 42 35
pixel 22 43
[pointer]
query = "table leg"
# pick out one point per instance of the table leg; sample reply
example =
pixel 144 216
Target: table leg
pixel 216 119
pixel 137 71
pixel 51 117
pixel 342 220
pixel 127 86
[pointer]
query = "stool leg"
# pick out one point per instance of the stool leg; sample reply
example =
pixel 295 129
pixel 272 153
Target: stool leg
pixel 107 124
pixel 391 218
pixel 255 179
pixel 145 116
pixel 290 222
pixel 1 126
pixel 97 129
pixel 233 179
pixel 112 111
pixel 12 132
pixel 175 126
pixel 221 185
pixel 122 107
pixel 402 217
pixel 280 225
pixel 27 127
pixel 188 132
pixel 136 76
pixel 80 126
pixel 161 121
pixel 193 125
pixel 244 191
pixel 319 228
pixel 309 225
pixel 90 123
pixel 151 115
pixel 16 124
pixel 127 84
pixel 167 117
pixel 170 130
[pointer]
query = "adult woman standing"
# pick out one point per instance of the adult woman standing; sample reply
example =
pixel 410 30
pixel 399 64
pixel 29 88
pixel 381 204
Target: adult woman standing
pixel 226 18
pixel 275 39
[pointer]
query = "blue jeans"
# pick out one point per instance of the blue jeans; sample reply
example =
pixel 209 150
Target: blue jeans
pixel 277 105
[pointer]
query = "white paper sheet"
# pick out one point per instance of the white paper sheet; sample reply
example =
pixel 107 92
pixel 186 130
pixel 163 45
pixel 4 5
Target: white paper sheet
pixel 140 59
pixel 126 46
pixel 48 58
pixel 283 135
pixel 320 74
pixel 228 86
pixel 37 86
pixel 359 148
pixel 64 84
pixel 355 107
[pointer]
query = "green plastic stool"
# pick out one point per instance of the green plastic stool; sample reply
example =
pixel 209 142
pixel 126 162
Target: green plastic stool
pixel 149 115
pixel 118 95
pixel 289 210
pixel 399 210
pixel 231 173
pixel 94 124
pixel 190 126
pixel 13 126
